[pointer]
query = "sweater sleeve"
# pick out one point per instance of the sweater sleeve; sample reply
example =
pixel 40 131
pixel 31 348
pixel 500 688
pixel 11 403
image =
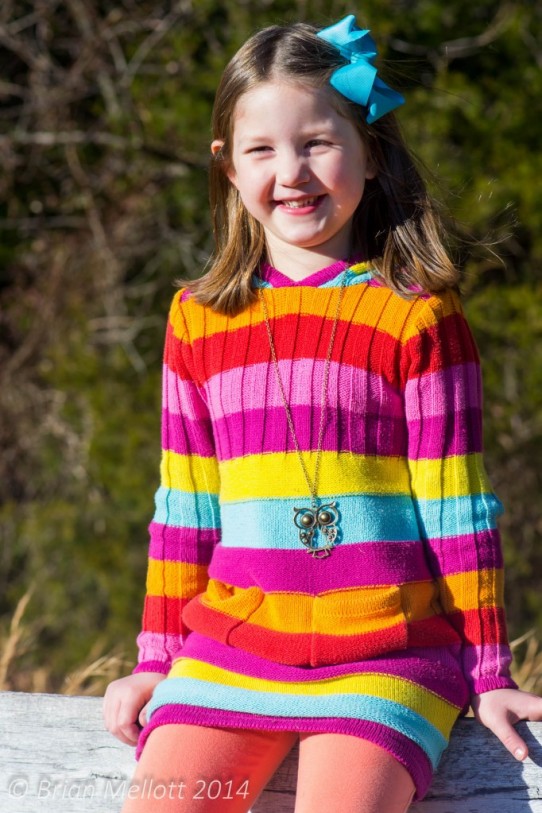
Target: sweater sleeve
pixel 186 523
pixel 456 509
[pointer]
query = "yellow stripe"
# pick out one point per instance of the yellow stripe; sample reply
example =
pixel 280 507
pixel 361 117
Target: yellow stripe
pixel 175 579
pixel 377 308
pixel 469 591
pixel 456 476
pixel 338 612
pixel 190 473
pixel 440 712
pixel 279 475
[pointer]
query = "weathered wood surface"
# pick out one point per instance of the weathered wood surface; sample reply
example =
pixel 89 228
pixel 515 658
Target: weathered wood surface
pixel 55 755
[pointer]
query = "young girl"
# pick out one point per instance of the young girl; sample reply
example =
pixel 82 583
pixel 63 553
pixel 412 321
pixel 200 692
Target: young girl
pixel 325 565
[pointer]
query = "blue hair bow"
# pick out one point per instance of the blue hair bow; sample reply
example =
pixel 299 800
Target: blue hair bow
pixel 358 81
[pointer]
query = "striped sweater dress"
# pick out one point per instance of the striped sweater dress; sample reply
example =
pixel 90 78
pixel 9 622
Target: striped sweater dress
pixel 388 636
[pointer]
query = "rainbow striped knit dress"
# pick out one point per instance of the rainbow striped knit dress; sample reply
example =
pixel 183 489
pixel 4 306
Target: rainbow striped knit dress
pixel 385 638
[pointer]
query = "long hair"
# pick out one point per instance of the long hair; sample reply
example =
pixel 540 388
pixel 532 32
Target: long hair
pixel 395 225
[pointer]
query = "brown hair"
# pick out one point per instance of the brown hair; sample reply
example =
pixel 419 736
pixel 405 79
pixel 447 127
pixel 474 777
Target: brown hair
pixel 395 224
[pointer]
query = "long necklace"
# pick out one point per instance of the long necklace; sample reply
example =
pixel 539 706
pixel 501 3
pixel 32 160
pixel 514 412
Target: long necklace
pixel 325 517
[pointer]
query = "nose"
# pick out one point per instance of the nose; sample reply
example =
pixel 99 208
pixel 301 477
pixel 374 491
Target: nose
pixel 292 169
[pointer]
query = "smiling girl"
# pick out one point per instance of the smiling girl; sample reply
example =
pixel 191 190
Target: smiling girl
pixel 324 565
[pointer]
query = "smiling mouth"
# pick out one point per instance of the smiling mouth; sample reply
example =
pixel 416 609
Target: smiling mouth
pixel 300 204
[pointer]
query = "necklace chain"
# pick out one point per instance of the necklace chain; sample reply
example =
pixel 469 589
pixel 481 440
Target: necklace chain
pixel 312 486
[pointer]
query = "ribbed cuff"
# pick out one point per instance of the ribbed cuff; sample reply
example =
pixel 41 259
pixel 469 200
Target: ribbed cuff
pixel 488 684
pixel 152 666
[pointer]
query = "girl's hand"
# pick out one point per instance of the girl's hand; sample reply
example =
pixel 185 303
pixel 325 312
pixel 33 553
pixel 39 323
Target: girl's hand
pixel 125 704
pixel 500 709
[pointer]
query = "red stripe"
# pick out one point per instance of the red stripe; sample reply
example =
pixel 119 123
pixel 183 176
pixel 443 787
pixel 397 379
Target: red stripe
pixel 486 626
pixel 300 336
pixel 162 614
pixel 442 345
pixel 293 649
pixel 434 631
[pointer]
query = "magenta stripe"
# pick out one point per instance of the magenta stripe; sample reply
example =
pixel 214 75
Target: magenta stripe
pixel 191 545
pixel 458 433
pixel 447 681
pixel 462 554
pixel 186 436
pixel 398 745
pixel 182 395
pixel 267 430
pixel 280 280
pixel 456 388
pixel 370 563
pixel 495 658
pixel 353 389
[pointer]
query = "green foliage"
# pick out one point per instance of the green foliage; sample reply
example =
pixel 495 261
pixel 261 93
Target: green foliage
pixel 104 141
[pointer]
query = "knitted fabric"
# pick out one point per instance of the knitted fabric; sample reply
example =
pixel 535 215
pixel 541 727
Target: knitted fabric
pixel 387 636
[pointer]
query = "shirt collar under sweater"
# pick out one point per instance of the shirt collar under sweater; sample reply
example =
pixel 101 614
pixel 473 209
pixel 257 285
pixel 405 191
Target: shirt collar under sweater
pixel 328 277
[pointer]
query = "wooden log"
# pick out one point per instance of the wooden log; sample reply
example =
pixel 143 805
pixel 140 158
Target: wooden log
pixel 55 755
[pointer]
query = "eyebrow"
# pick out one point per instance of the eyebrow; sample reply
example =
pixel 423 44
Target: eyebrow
pixel 322 129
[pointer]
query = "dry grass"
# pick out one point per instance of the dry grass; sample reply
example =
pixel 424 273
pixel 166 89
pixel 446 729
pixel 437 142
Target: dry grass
pixel 93 677
pixel 15 642
pixel 20 638
pixel 527 672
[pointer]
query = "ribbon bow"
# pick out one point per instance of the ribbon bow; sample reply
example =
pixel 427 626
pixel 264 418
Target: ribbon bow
pixel 358 81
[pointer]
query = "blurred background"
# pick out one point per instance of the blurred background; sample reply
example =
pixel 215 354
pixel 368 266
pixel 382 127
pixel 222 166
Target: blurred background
pixel 104 142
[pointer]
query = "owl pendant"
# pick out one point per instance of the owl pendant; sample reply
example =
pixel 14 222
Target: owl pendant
pixel 323 518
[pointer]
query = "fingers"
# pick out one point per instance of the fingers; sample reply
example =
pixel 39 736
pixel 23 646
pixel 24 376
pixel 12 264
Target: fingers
pixel 500 709
pixel 126 704
pixel 119 716
pixel 511 740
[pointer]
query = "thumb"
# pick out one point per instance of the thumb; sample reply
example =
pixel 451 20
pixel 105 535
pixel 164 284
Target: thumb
pixel 143 715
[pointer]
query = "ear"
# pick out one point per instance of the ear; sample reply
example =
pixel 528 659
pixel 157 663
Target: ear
pixel 370 170
pixel 216 146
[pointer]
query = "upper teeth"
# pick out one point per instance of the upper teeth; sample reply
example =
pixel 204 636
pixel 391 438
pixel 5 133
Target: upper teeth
pixel 295 204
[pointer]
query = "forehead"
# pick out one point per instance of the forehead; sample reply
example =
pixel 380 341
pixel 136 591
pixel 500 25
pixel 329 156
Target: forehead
pixel 279 103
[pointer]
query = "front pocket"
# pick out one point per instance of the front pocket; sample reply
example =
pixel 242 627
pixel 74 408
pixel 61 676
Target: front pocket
pixel 221 609
pixel 354 625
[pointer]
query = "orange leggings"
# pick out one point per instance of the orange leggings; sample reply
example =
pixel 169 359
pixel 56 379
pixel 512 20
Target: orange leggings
pixel 195 769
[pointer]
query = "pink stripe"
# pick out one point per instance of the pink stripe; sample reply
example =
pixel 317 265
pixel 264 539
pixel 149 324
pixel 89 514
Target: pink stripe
pixel 458 433
pixel 267 430
pixel 454 389
pixel 182 395
pixel 154 646
pixel 463 554
pixel 255 386
pixel 447 680
pixel 185 436
pixel 367 564
pixel 398 745
pixel 191 545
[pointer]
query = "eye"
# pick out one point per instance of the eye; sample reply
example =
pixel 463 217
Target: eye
pixel 317 142
pixel 259 149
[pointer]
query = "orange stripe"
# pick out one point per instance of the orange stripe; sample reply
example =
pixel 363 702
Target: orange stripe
pixel 175 579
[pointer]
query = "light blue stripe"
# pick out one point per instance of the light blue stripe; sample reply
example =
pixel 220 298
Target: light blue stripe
pixel 185 509
pixel 354 706
pixel 456 516
pixel 362 518
pixel 258 282
pixel 351 279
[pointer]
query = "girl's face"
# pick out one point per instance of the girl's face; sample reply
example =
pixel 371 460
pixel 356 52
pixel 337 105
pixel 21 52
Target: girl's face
pixel 299 166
